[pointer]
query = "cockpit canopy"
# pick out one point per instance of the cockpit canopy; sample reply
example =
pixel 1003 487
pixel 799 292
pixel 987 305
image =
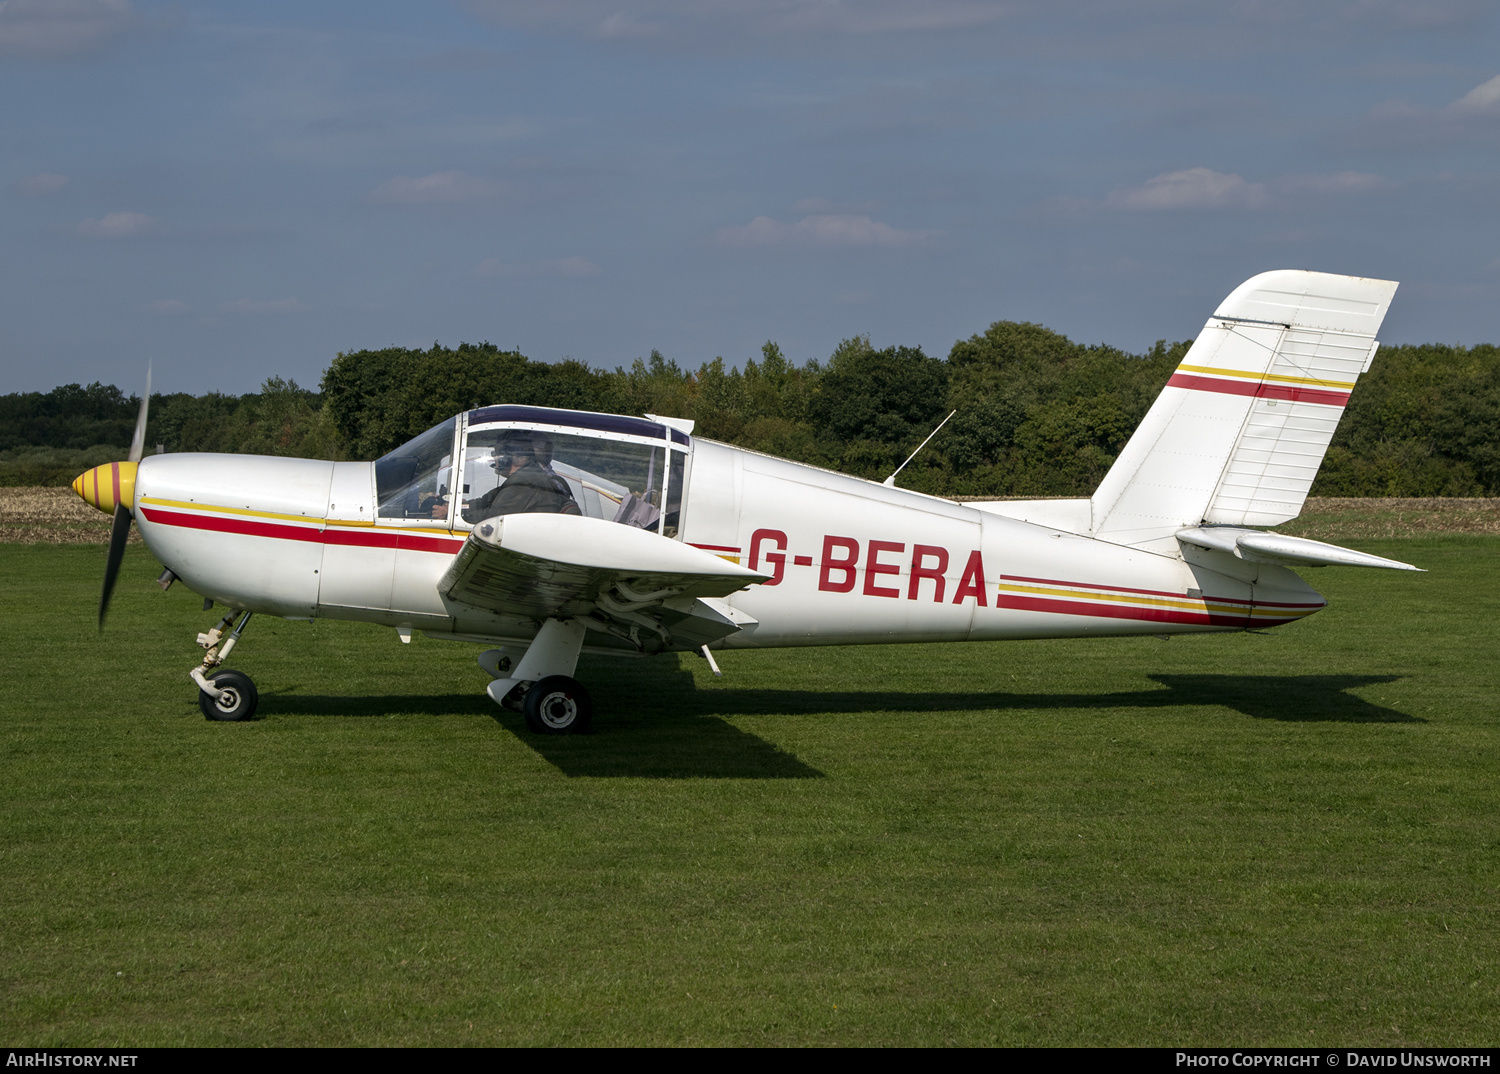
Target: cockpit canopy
pixel 517 459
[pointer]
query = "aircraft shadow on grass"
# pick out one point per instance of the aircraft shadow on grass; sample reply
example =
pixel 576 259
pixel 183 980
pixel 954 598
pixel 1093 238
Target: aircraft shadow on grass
pixel 663 727
pixel 1290 698
pixel 650 728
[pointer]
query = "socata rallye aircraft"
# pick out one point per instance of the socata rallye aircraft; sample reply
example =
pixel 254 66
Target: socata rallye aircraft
pixel 544 533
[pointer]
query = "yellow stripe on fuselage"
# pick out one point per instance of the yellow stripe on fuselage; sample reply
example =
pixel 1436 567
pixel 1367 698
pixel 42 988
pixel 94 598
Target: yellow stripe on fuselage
pixel 245 512
pixel 1241 374
pixel 1187 604
pixel 1158 602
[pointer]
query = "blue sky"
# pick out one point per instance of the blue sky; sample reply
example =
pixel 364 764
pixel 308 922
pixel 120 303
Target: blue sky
pixel 235 190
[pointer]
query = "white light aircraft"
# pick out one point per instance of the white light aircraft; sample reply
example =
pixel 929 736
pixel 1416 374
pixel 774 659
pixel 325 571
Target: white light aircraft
pixel 544 533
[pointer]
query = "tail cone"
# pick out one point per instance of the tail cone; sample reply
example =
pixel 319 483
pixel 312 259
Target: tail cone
pixel 107 487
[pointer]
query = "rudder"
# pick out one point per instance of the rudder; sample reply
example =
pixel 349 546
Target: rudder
pixel 1237 435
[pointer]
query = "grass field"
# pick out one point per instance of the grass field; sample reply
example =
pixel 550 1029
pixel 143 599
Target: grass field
pixel 1251 839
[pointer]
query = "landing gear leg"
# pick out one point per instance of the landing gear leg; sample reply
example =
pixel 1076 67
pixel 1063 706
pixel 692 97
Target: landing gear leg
pixel 224 694
pixel 541 685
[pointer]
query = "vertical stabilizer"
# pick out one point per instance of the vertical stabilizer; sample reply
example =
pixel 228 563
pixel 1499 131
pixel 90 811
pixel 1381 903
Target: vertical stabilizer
pixel 1239 432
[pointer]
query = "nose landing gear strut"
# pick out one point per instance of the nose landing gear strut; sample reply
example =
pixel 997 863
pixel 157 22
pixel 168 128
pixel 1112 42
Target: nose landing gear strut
pixel 225 694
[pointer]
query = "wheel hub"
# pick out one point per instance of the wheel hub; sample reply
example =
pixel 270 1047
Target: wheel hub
pixel 558 710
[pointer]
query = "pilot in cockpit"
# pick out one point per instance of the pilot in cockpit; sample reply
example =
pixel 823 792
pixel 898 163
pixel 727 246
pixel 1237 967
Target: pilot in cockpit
pixel 524 462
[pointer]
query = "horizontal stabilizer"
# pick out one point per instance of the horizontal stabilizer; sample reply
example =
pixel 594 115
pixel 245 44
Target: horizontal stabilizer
pixel 1257 546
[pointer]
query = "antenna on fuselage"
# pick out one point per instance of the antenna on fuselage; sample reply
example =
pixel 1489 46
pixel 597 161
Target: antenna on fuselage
pixel 890 482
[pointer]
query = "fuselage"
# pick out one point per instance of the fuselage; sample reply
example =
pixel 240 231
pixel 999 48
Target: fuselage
pixel 852 561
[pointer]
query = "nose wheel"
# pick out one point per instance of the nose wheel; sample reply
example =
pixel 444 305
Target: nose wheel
pixel 224 695
pixel 236 700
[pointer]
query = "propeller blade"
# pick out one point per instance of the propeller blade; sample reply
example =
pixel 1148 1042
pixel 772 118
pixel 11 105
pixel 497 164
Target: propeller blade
pixel 119 533
pixel 138 442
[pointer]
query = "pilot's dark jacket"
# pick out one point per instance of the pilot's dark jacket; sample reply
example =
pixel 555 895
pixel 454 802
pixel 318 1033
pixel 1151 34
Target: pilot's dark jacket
pixel 529 489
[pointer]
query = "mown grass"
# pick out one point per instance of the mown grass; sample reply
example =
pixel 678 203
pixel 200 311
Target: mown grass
pixel 1253 839
pixel 1331 518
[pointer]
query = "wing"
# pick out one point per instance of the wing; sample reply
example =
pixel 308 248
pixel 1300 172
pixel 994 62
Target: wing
pixel 656 592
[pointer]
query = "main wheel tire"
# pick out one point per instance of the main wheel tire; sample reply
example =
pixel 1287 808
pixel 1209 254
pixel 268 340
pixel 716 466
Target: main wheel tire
pixel 558 705
pixel 239 700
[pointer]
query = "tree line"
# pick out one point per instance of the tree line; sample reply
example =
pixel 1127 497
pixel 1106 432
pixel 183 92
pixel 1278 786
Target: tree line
pixel 1036 413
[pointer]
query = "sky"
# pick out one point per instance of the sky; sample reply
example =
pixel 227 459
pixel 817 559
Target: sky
pixel 233 191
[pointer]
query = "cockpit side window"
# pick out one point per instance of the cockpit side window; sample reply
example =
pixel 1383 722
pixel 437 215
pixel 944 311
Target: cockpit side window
pixel 414 480
pixel 671 520
pixel 508 470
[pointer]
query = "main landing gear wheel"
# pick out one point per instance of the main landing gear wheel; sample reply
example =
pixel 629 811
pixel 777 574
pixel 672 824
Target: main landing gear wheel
pixel 558 705
pixel 238 701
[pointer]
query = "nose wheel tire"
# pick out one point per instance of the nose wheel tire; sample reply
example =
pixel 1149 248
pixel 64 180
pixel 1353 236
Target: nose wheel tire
pixel 238 701
pixel 558 705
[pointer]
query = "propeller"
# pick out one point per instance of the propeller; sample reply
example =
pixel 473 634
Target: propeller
pixel 119 532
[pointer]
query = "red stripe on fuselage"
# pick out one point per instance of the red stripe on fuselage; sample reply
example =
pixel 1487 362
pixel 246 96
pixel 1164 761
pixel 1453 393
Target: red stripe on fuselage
pixel 231 524
pixel 1150 615
pixel 417 542
pixel 1288 392
pixel 1163 593
pixel 1314 605
pixel 340 535
pixel 361 538
pixel 378 538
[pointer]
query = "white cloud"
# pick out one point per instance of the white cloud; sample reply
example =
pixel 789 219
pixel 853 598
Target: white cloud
pixel 275 305
pixel 808 206
pixel 39 186
pixel 1336 183
pixel 621 25
pixel 721 19
pixel 883 16
pixel 1192 188
pixel 439 188
pixel 1203 188
pixel 1106 30
pixel 825 230
pixel 1401 123
pixel 762 231
pixel 167 306
pixel 118 226
pixel 566 267
pixel 1483 99
pixel 58 29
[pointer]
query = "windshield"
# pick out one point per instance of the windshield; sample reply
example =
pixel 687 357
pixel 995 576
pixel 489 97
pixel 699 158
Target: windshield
pixel 508 471
pixel 413 480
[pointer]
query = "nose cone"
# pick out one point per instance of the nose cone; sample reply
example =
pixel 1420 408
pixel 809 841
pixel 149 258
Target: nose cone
pixel 107 486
